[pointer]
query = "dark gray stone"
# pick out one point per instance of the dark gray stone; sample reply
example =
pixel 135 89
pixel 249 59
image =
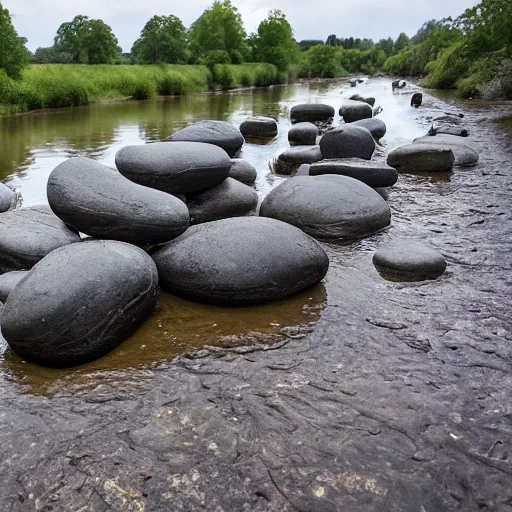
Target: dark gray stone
pixel 240 261
pixel 259 127
pixel 80 302
pixel 465 156
pixel 303 134
pixel 8 281
pixel 370 100
pixel 421 157
pixel 416 99
pixel 242 171
pixel 228 199
pixel 218 133
pixel 355 110
pixel 7 198
pixel 375 126
pixel 347 142
pixel 449 125
pixel 409 260
pixel 102 203
pixel 311 112
pixel 371 173
pixel 174 167
pixel 328 207
pixel 291 159
pixel 28 235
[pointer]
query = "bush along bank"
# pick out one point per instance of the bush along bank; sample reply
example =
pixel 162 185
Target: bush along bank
pixel 58 86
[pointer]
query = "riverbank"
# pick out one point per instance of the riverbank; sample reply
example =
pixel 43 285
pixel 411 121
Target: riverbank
pixel 58 85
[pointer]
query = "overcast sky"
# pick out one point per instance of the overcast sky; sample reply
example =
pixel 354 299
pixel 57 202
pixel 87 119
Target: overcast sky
pixel 38 20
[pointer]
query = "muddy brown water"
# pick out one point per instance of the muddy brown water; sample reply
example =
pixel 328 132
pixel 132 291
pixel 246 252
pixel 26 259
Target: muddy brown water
pixel 361 394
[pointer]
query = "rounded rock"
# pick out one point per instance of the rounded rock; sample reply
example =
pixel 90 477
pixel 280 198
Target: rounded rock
pixel 355 110
pixel 80 302
pixel 174 167
pixel 409 260
pixel 422 157
pixel 102 203
pixel 303 134
pixel 259 127
pixel 228 199
pixel 311 112
pixel 375 126
pixel 449 125
pixel 347 142
pixel 28 235
pixel 242 171
pixel 240 261
pixel 291 159
pixel 8 282
pixel 7 198
pixel 465 156
pixel 328 207
pixel 416 99
pixel 218 133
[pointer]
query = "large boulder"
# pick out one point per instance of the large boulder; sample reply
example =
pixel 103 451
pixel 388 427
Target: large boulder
pixel 242 171
pixel 8 282
pixel 80 302
pixel 422 157
pixel 328 207
pixel 311 112
pixel 412 261
pixel 228 199
pixel 259 127
pixel 355 110
pixel 29 234
pixel 174 167
pixel 347 142
pixel 291 159
pixel 218 133
pixel 303 134
pixel 102 203
pixel 7 198
pixel 371 173
pixel 465 156
pixel 375 126
pixel 240 261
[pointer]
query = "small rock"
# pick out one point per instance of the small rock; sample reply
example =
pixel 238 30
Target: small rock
pixel 242 171
pixel 291 159
pixel 375 126
pixel 259 127
pixel 303 134
pixel 422 157
pixel 355 110
pixel 347 142
pixel 311 112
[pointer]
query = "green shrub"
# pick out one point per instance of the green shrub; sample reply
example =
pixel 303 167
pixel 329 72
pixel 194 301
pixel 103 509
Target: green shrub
pixel 144 91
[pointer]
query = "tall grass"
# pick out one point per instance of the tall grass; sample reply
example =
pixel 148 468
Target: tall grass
pixel 60 85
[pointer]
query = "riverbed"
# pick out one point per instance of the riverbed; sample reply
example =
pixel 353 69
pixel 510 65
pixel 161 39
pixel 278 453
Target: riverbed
pixel 360 394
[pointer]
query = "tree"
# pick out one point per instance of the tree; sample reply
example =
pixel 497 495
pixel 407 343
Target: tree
pixel 163 39
pixel 323 61
pixel 306 44
pixel 401 42
pixel 51 56
pixel 88 41
pixel 387 46
pixel 219 28
pixel 332 40
pixel 275 43
pixel 14 56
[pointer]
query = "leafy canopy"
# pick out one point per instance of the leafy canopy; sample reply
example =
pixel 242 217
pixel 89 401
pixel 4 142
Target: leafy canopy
pixel 14 57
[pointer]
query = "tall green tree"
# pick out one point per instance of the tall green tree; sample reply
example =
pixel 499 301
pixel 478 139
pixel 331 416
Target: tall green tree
pixel 401 42
pixel 275 43
pixel 88 41
pixel 14 56
pixel 163 39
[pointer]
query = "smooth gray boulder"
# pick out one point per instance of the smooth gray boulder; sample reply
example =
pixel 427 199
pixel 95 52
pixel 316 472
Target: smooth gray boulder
pixel 370 100
pixel 355 110
pixel 375 126
pixel 422 157
pixel 218 133
pixel 242 171
pixel 409 260
pixel 449 125
pixel 303 134
pixel 465 156
pixel 27 235
pixel 311 112
pixel 102 203
pixel 8 281
pixel 228 199
pixel 259 127
pixel 7 198
pixel 240 261
pixel 291 159
pixel 347 142
pixel 174 167
pixel 371 173
pixel 328 207
pixel 80 302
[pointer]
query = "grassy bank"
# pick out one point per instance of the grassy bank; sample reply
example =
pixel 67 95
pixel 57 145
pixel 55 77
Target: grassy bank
pixel 61 85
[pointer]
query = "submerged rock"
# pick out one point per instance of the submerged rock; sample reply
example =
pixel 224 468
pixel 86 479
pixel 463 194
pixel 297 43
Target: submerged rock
pixel 28 235
pixel 409 260
pixel 375 126
pixel 218 133
pixel 80 302
pixel 259 127
pixel 242 171
pixel 102 203
pixel 465 156
pixel 449 125
pixel 370 100
pixel 240 261
pixel 355 110
pixel 291 159
pixel 421 157
pixel 328 207
pixel 347 142
pixel 8 281
pixel 228 199
pixel 303 134
pixel 7 198
pixel 311 112
pixel 174 167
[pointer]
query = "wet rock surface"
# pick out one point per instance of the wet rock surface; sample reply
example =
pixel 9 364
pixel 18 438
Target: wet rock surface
pixel 304 134
pixel 242 171
pixel 465 155
pixel 28 235
pixel 311 112
pixel 375 126
pixel 239 261
pixel 8 281
pixel 259 127
pixel 291 159
pixel 7 198
pixel 347 142
pixel 422 157
pixel 102 203
pixel 352 110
